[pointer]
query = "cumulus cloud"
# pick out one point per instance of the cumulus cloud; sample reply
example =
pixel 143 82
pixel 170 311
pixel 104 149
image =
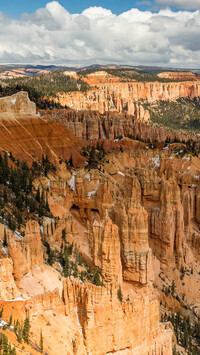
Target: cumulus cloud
pixel 52 35
pixel 181 4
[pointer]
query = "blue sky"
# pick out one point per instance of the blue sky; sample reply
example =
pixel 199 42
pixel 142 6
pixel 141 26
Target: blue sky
pixel 15 8
pixel 90 32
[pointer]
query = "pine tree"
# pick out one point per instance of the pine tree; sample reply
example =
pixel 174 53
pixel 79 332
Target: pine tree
pixel 10 320
pixel 75 271
pixel 26 330
pixel 64 234
pixel 38 195
pixel 1 312
pixel 71 161
pixel 5 197
pixel 5 243
pixel 19 334
pixel 47 204
pixel 97 280
pixel 66 268
pixel 5 345
pixel 119 294
pixel 41 342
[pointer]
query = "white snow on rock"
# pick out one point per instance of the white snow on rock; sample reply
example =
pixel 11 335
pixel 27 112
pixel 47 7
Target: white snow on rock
pixel 18 235
pixel 88 177
pixel 5 250
pixel 14 101
pixel 71 183
pixel 120 173
pixel 156 161
pixel 91 193
pixel 17 299
pixel 2 323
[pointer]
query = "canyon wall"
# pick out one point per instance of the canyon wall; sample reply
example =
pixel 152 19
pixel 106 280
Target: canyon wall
pixel 126 96
pixel 90 125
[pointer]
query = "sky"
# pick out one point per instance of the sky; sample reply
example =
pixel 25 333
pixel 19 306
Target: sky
pixel 142 32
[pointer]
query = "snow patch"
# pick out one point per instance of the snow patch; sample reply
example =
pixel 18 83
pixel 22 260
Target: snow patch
pixel 91 193
pixel 5 250
pixel 18 235
pixel 71 183
pixel 88 177
pixel 17 299
pixel 156 161
pixel 120 173
pixel 78 319
pixel 2 323
pixel 14 101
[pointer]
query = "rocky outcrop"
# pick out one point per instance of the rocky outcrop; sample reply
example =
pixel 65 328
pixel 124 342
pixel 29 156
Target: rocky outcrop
pixel 26 252
pixel 30 137
pixel 91 125
pixel 106 251
pixel 125 96
pixel 126 328
pixel 179 75
pixel 16 105
pixel 8 288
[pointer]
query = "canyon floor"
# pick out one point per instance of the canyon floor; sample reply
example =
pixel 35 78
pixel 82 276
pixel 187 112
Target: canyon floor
pixel 100 215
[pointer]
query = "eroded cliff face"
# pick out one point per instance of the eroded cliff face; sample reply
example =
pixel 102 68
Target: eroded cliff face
pixel 126 96
pixel 100 313
pixel 16 105
pixel 90 125
pixel 135 220
pixel 26 252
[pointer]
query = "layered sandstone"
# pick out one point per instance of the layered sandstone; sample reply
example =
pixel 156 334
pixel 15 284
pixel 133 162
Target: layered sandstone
pixel 179 75
pixel 125 96
pixel 111 327
pixel 136 216
pixel 91 125
pixel 26 252
pixel 16 105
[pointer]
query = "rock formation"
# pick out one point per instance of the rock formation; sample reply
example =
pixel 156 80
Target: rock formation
pixel 134 221
pixel 110 327
pixel 26 252
pixel 126 96
pixel 16 105
pixel 179 75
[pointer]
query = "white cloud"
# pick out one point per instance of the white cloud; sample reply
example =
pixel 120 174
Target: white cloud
pixel 181 4
pixel 54 36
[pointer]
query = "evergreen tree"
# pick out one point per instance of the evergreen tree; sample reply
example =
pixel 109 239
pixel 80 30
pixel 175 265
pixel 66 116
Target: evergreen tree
pixel 51 258
pixel 71 161
pixel 97 280
pixel 64 234
pixel 5 197
pixel 26 330
pixel 66 268
pixel 5 242
pixel 119 294
pixel 41 342
pixel 75 271
pixel 5 345
pixel 19 334
pixel 1 312
pixel 38 195
pixel 10 320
